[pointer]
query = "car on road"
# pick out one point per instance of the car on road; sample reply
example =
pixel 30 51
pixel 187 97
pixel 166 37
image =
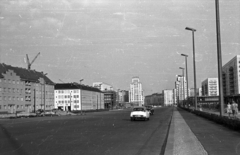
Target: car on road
pixel 139 113
pixel 150 109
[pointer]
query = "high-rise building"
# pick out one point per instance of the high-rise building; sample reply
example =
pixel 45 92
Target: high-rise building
pixel 168 97
pixel 231 76
pixel 181 88
pixel 136 92
pixel 210 87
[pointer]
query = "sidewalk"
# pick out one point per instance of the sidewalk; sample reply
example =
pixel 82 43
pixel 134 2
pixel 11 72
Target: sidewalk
pixel 193 135
pixel 181 140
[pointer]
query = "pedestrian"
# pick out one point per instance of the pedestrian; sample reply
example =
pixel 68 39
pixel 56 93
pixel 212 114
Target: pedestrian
pixel 234 109
pixel 229 109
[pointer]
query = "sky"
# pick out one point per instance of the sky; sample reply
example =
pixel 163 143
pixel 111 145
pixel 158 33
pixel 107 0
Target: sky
pixel 114 40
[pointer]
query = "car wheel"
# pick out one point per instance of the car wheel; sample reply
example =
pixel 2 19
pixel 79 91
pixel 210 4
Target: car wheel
pixel 132 119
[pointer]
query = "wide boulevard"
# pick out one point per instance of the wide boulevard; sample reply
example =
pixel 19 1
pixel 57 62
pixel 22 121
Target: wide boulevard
pixel 101 133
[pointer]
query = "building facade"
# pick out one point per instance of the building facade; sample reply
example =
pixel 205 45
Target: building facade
pixel 231 77
pixel 109 99
pixel 74 97
pixel 181 88
pixel 210 87
pixel 136 92
pixel 122 96
pixel 24 90
pixel 154 100
pixel 168 97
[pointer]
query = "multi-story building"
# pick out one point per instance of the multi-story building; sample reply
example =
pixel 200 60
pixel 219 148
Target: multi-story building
pixel 109 99
pixel 74 96
pixel 231 77
pixel 122 96
pixel 168 97
pixel 210 87
pixel 175 99
pixel 136 92
pixel 198 92
pixel 154 99
pixel 181 88
pixel 24 90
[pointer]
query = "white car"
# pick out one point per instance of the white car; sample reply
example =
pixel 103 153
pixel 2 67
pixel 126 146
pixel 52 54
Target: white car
pixel 140 113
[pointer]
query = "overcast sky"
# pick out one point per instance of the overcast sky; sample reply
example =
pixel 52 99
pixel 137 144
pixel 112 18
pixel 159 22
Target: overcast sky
pixel 113 40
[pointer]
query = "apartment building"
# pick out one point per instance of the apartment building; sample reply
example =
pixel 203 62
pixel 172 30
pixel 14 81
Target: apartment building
pixel 168 97
pixel 210 87
pixel 24 90
pixel 74 96
pixel 155 99
pixel 231 77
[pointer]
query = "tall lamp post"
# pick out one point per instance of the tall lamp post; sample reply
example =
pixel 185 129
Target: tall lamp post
pixel 194 66
pixel 186 72
pixel 183 82
pixel 219 55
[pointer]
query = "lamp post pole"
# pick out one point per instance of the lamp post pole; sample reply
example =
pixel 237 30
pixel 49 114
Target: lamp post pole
pixel 219 55
pixel 194 66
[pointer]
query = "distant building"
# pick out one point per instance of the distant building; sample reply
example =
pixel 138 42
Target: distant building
pixel 24 90
pixel 136 92
pixel 74 96
pixel 109 99
pixel 181 88
pixel 210 87
pixel 231 77
pixel 175 96
pixel 122 96
pixel 154 99
pixel 102 86
pixel 168 97
pixel 198 92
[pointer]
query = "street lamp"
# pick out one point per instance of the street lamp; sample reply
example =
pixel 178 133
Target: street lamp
pixel 183 82
pixel 186 71
pixel 194 66
pixel 219 55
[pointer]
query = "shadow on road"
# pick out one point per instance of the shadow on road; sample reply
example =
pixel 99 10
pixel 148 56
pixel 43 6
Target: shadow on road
pixel 16 147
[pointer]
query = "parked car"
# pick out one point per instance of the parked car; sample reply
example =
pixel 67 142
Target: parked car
pixel 150 109
pixel 139 113
pixel 25 114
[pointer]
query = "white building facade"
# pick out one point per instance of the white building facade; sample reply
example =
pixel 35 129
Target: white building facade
pixel 168 97
pixel 73 97
pixel 136 92
pixel 210 87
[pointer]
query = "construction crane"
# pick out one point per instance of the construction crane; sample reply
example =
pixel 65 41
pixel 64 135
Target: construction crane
pixel 61 80
pixel 28 62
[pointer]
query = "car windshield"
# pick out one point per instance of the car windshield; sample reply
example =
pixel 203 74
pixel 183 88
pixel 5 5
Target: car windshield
pixel 138 109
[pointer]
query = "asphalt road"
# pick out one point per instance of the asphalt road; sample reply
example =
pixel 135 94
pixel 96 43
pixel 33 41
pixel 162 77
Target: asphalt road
pixel 101 133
